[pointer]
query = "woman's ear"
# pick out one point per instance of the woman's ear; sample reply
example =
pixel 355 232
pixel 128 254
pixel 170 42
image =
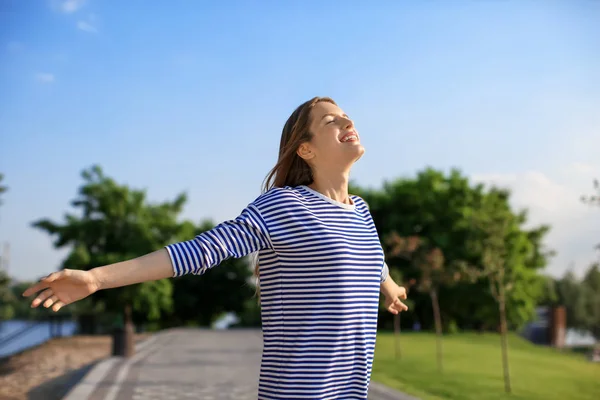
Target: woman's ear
pixel 305 151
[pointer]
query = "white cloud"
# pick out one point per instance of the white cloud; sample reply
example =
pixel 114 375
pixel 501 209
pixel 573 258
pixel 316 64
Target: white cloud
pixel 71 6
pixel 44 77
pixel 575 227
pixel 86 26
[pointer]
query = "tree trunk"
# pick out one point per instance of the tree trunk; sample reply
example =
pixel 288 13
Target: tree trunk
pixel 397 336
pixel 504 336
pixel 438 327
pixel 123 337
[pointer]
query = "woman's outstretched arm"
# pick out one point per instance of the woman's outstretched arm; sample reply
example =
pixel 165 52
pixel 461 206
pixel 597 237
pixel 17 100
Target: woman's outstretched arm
pixel 69 285
pixel 150 267
pixel 236 238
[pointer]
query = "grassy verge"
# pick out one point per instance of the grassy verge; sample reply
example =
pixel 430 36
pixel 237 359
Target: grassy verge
pixel 473 369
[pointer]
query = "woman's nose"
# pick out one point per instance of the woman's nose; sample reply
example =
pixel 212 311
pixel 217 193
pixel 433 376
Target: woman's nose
pixel 347 123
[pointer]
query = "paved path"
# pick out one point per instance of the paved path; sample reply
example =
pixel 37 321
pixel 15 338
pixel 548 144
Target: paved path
pixel 188 364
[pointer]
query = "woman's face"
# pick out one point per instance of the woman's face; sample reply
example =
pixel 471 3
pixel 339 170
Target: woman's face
pixel 335 141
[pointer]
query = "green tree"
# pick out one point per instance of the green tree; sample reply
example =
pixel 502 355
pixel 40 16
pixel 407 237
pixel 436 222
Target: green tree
pixel 580 297
pixel 7 298
pixel 430 207
pixel 493 225
pixel 509 261
pixel 570 293
pixel 593 200
pixel 117 223
pixel 437 207
pixel 250 316
pixel 591 281
pixel 590 286
pixel 549 295
pixel 433 273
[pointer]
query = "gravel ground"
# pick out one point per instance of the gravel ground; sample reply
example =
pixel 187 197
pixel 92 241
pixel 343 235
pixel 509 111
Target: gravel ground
pixel 47 371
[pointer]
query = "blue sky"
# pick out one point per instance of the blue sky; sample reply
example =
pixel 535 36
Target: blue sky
pixel 191 96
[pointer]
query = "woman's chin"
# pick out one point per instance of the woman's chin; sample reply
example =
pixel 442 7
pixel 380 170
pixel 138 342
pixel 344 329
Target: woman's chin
pixel 357 152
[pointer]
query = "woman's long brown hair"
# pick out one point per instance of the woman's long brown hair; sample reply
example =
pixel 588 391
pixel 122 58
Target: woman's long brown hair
pixel 291 169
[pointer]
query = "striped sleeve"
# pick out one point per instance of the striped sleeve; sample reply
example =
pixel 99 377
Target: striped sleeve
pixel 385 271
pixel 231 239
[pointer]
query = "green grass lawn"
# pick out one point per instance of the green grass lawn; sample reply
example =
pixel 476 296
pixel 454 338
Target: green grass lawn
pixel 473 369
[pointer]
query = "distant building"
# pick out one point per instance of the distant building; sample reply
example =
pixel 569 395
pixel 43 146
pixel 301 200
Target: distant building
pixel 550 329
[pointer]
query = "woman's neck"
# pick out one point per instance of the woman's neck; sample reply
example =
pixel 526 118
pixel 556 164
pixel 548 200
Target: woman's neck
pixel 334 186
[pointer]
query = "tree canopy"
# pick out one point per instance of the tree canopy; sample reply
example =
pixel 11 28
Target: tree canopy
pixel 117 223
pixel 441 209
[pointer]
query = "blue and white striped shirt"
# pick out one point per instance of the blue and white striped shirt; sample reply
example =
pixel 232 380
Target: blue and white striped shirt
pixel 321 265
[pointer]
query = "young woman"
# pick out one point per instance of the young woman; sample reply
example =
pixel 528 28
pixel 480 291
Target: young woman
pixel 320 263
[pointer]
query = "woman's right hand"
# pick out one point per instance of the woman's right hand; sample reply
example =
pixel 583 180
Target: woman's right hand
pixel 63 288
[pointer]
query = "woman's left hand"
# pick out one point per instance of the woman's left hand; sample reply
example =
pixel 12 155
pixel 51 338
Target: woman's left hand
pixel 393 295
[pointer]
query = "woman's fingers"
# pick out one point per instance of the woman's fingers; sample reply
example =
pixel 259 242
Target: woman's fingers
pixel 41 297
pixel 35 288
pixel 51 300
pixel 58 305
pixel 398 306
pixel 402 293
pixel 56 275
pixel 44 282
